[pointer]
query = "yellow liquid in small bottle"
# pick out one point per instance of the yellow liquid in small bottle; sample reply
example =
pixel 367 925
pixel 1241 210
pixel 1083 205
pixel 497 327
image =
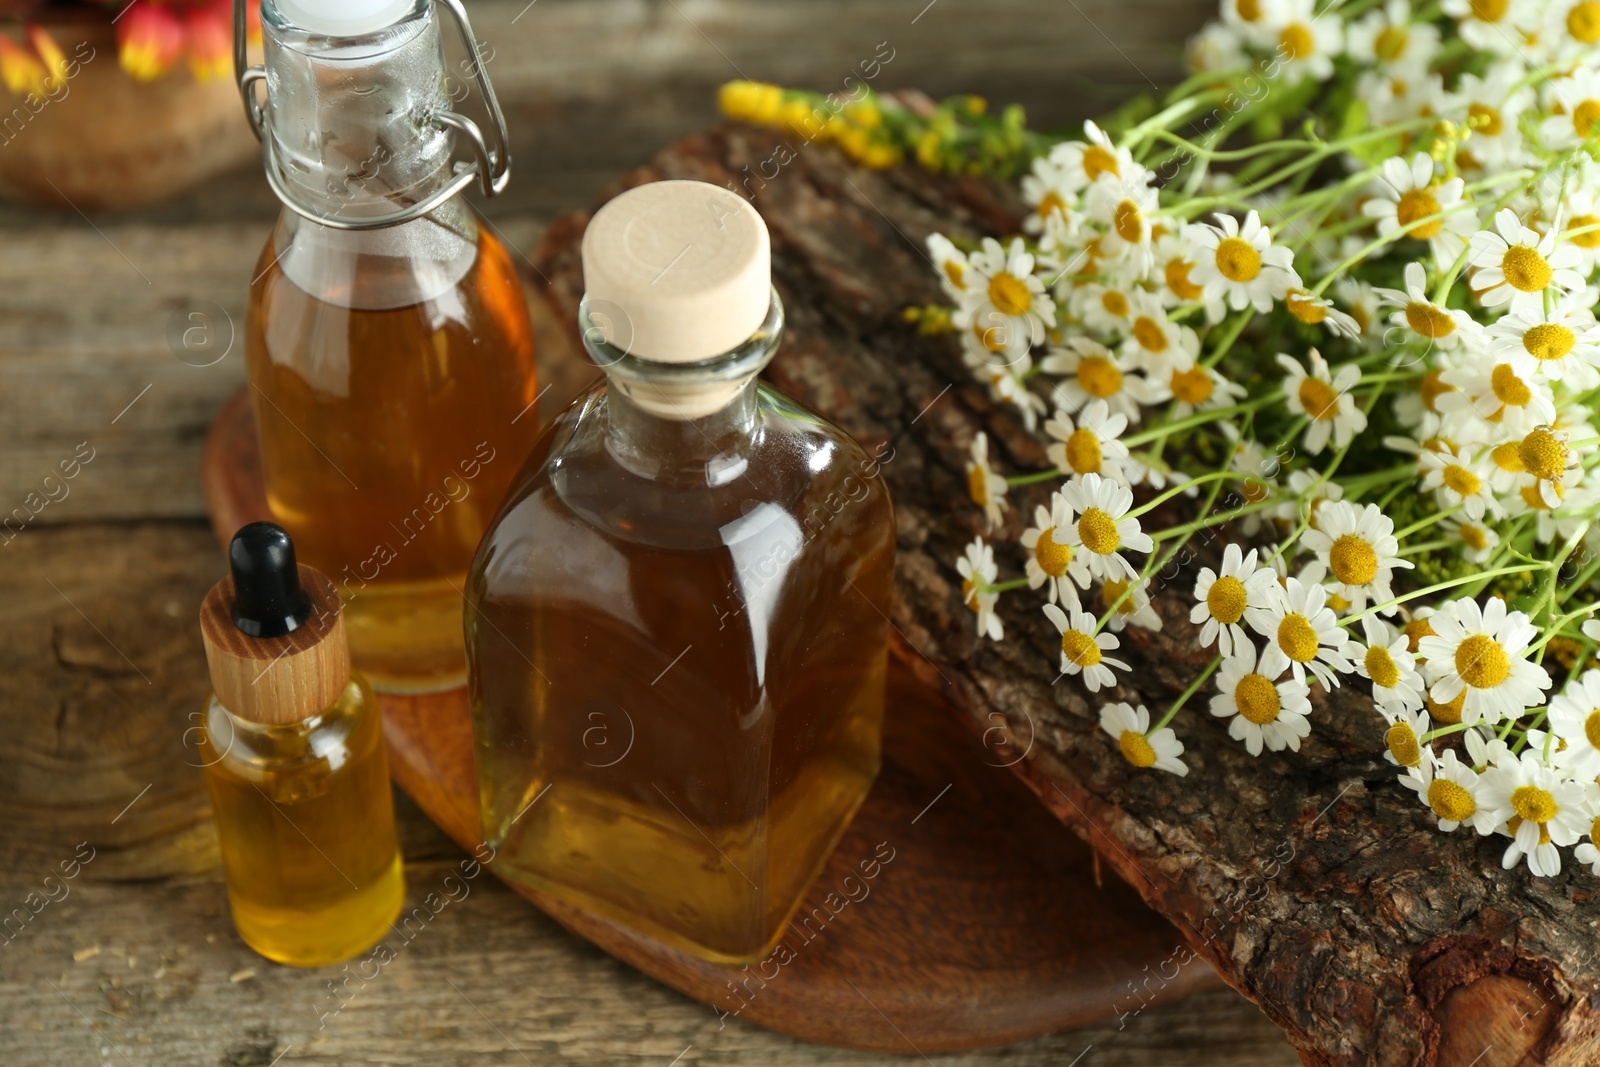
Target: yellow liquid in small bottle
pixel 387 440
pixel 675 738
pixel 305 819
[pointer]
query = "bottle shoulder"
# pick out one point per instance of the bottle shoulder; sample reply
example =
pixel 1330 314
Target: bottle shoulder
pixel 348 730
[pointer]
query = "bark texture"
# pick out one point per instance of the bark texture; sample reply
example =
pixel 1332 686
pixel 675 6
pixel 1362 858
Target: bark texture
pixel 1312 881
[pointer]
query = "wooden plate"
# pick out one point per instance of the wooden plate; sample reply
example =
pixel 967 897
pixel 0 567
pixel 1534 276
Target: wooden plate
pixel 987 925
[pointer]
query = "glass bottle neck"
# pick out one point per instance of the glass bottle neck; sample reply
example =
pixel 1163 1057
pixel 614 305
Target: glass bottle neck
pixel 710 451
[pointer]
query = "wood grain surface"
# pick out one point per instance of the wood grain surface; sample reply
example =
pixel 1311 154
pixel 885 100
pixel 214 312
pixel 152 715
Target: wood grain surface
pixel 101 666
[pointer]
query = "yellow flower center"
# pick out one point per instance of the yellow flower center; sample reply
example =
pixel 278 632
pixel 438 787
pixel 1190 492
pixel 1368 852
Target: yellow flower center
pixel 1514 823
pixel 1548 341
pixel 1534 497
pixel 1481 662
pixel 1450 801
pixel 1009 294
pixel 1051 556
pixel 1485 120
pixel 1149 334
pixel 1192 386
pixel 1098 161
pixel 1461 481
pixel 1127 221
pixel 1508 457
pixel 1318 398
pixel 1353 560
pixel 1136 749
pixel 1429 321
pixel 1098 532
pixel 1111 592
pixel 1584 117
pixel 1591 728
pixel 1508 388
pixel 1419 204
pixel 1257 699
pixel 1533 804
pixel 1297 638
pixel 969 593
pixel 1238 259
pixel 1079 648
pixel 1049 203
pixel 1083 452
pixel 956 272
pixel 1381 667
pixel 1114 303
pixel 1098 376
pixel 1583 22
pixel 978 486
pixel 1226 599
pixel 1403 744
pixel 1390 43
pixel 1543 455
pixel 1490 10
pixel 1177 274
pixel 1434 386
pixel 1250 10
pixel 1525 268
pixel 1591 237
pixel 1296 42
pixel 1476 537
pixel 1305 307
pixel 1450 713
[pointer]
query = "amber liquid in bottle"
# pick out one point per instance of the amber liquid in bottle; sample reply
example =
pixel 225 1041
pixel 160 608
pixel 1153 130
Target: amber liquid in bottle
pixel 388 436
pixel 305 819
pixel 678 682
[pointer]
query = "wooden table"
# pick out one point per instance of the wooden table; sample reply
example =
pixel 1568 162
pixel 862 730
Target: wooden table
pixel 133 960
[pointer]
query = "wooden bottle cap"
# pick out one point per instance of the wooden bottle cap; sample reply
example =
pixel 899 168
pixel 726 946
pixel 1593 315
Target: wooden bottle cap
pixel 278 680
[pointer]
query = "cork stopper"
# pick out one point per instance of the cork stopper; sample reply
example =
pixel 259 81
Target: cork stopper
pixel 274 632
pixel 677 271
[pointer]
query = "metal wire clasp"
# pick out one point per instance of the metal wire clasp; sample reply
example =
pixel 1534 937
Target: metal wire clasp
pixel 490 165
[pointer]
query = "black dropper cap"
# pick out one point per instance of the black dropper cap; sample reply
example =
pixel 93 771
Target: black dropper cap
pixel 268 600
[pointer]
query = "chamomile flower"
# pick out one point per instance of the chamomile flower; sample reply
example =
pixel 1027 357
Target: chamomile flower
pixel 1080 163
pixel 985 485
pixel 1007 386
pixel 952 266
pixel 1083 652
pixel 1238 264
pixel 1154 343
pixel 1200 388
pixel 1362 300
pixel 1216 47
pixel 1050 562
pixel 1553 342
pixel 1449 789
pixel 1302 635
pixel 1103 528
pixel 1385 660
pixel 1105 309
pixel 1389 40
pixel 1002 282
pixel 1408 199
pixel 1044 190
pixel 1089 446
pixel 1578 93
pixel 1306 44
pixel 1403 740
pixel 1175 261
pixel 1263 710
pixel 1537 807
pixel 1515 265
pixel 1458 480
pixel 1316 310
pixel 1089 372
pixel 1134 609
pixel 1123 206
pixel 1582 215
pixel 1493 106
pixel 1496 26
pixel 1575 718
pixel 1254 18
pixel 1323 398
pixel 1587 852
pixel 1241 590
pixel 1547 463
pixel 1497 393
pixel 1440 327
pixel 1571 29
pixel 1477 540
pixel 1141 746
pixel 1481 652
pixel 977 569
pixel 1355 548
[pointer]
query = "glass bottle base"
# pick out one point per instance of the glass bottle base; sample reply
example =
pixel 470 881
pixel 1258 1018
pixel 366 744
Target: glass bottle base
pixel 318 937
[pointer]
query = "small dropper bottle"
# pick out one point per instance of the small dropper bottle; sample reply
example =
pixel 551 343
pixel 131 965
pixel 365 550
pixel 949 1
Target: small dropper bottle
pixel 292 745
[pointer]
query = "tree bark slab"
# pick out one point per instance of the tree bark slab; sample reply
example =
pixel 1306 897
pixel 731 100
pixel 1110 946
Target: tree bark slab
pixel 1312 881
